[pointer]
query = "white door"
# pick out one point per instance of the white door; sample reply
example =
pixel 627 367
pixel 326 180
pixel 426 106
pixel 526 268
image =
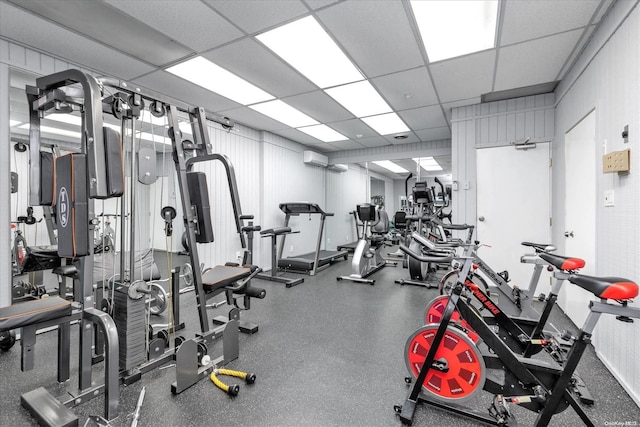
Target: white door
pixel 513 207
pixel 580 211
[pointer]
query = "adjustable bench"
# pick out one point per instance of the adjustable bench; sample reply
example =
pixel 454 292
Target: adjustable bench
pixel 233 279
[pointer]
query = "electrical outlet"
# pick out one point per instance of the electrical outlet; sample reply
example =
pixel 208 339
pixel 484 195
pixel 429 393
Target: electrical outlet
pixel 291 249
pixel 609 198
pixel 239 254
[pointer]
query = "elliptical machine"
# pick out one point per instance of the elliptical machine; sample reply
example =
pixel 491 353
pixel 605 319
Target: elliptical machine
pixel 367 257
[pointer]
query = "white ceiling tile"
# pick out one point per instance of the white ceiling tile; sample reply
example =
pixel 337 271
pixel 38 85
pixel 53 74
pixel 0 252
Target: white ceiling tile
pixel 254 16
pixel 207 29
pixel 253 119
pixel 407 89
pixel 533 62
pixel 187 92
pixel 347 145
pixel 434 134
pixel 106 25
pixel 530 19
pixel 423 118
pixel 317 4
pixel 353 128
pixel 465 77
pixel 298 136
pixel 411 137
pixel 327 148
pixel 253 62
pixel 320 106
pixel 376 34
pixel 373 141
pixel 31 30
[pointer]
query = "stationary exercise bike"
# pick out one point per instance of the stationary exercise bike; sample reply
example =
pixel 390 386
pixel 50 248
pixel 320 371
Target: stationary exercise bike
pixel 448 366
pixel 367 257
pixel 524 336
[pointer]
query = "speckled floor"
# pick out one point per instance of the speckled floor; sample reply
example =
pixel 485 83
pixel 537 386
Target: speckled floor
pixel 328 353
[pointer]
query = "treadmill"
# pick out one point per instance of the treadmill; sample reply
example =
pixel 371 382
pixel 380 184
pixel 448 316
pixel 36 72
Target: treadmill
pixel 312 262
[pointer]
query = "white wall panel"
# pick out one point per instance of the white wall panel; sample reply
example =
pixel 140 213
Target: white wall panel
pixel 490 125
pixel 286 178
pixel 345 190
pixel 605 78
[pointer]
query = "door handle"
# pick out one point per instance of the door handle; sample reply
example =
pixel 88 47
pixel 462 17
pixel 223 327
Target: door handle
pixel 481 218
pixel 568 234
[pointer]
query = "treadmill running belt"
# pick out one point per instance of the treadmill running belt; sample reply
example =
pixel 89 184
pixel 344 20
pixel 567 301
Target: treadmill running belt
pixel 305 261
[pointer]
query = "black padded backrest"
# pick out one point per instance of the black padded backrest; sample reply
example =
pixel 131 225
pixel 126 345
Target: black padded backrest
pixel 72 197
pixel 47 178
pixel 400 219
pixel 114 162
pixel 199 195
pixel 382 226
pixel 366 212
pixel 422 193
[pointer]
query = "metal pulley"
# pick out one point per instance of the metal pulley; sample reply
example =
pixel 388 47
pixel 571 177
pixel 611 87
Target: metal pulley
pixel 157 296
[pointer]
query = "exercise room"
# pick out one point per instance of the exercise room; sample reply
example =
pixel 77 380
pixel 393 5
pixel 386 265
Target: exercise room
pixel 319 213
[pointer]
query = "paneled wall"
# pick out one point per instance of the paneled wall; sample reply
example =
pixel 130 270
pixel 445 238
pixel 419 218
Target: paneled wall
pixel 286 178
pixel 605 78
pixel 492 124
pixel 345 190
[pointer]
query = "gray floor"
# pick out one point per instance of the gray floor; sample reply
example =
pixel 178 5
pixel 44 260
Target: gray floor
pixel 327 353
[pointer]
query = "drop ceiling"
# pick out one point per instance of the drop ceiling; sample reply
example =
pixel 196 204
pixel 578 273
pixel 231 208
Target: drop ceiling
pixel 536 42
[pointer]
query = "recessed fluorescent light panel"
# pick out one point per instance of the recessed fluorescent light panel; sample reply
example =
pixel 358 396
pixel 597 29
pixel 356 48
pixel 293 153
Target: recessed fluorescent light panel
pixel 284 113
pixel 387 164
pixel 454 28
pixel 210 76
pixel 386 124
pixel 324 133
pixel 427 163
pixel 360 98
pixel 307 47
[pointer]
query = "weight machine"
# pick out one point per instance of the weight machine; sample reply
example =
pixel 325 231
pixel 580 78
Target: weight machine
pixel 112 328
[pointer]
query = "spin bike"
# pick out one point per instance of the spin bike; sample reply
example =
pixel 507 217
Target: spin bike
pixel 515 300
pixel 525 336
pixel 448 366
pixel 367 257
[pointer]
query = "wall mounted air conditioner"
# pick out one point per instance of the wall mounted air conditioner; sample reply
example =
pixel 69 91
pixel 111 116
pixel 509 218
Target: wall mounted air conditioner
pixel 316 159
pixel 338 167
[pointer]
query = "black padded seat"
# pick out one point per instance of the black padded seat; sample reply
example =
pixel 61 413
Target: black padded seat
pixel 221 276
pixel 456 226
pixel 616 288
pixel 276 230
pixel 39 258
pixel 540 247
pixel 562 262
pixel 32 312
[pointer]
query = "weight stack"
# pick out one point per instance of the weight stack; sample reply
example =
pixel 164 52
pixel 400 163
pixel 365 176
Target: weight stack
pixel 129 317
